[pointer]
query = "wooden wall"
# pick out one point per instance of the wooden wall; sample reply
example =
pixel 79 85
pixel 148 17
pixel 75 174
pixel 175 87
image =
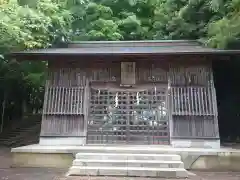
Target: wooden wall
pixel 63 110
pixel 194 106
pixel 193 109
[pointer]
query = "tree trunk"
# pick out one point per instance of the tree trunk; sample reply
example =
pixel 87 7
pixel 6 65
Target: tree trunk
pixel 3 112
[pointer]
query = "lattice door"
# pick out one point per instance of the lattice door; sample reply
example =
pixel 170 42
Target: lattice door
pixel 128 116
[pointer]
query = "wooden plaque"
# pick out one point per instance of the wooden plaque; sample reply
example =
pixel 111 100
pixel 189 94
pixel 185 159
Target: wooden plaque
pixel 128 75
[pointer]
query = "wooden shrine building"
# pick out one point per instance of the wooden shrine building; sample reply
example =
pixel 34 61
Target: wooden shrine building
pixel 130 92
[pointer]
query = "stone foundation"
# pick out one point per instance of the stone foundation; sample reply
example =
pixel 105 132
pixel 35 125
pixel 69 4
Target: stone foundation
pixel 48 160
pixel 62 156
pixel 190 143
pixel 62 141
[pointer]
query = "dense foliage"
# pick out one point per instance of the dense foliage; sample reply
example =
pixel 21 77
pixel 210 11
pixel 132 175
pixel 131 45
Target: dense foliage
pixel 27 24
pixel 24 27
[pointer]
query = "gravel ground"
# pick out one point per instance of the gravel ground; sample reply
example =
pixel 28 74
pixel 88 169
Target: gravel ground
pixel 7 173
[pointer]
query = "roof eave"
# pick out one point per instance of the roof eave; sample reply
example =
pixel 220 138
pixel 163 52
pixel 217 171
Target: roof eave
pixel 49 56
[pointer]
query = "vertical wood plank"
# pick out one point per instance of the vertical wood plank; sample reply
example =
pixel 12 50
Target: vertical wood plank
pixel 206 93
pixel 192 101
pixel 52 100
pixel 214 98
pixel 86 106
pixel 195 100
pixel 60 104
pixel 202 101
pixel 79 103
pixel 182 101
pixel 71 99
pixel 210 100
pixel 185 100
pixel 75 111
pixel 173 96
pixel 189 101
pixel 178 102
pixel 63 99
pixel 45 101
pixel 68 101
pixel 82 94
pixel 199 101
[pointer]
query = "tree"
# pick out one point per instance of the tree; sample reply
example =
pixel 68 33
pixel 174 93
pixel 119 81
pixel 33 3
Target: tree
pixel 116 20
pixel 26 26
pixel 214 22
pixel 225 31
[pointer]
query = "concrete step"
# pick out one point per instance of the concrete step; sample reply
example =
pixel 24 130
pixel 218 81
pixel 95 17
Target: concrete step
pixel 140 149
pixel 129 163
pixel 128 171
pixel 123 156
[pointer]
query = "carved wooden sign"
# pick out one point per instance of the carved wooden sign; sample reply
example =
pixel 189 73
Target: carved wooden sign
pixel 128 75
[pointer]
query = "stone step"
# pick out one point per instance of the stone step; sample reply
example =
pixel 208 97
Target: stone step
pixel 128 163
pixel 123 156
pixel 128 171
pixel 127 149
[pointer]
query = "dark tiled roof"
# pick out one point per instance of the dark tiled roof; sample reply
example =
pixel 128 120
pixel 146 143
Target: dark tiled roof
pixel 91 48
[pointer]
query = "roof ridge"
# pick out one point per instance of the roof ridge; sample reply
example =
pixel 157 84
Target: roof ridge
pixel 134 41
pixel 126 44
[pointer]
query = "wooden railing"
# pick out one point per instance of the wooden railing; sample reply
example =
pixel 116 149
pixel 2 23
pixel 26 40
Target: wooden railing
pixel 64 100
pixel 193 101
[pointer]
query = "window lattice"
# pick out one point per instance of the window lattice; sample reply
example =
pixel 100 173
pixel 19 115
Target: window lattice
pixel 128 116
pixel 62 100
pixel 192 101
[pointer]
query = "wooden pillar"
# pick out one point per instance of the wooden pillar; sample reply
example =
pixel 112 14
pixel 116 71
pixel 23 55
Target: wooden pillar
pixel 215 108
